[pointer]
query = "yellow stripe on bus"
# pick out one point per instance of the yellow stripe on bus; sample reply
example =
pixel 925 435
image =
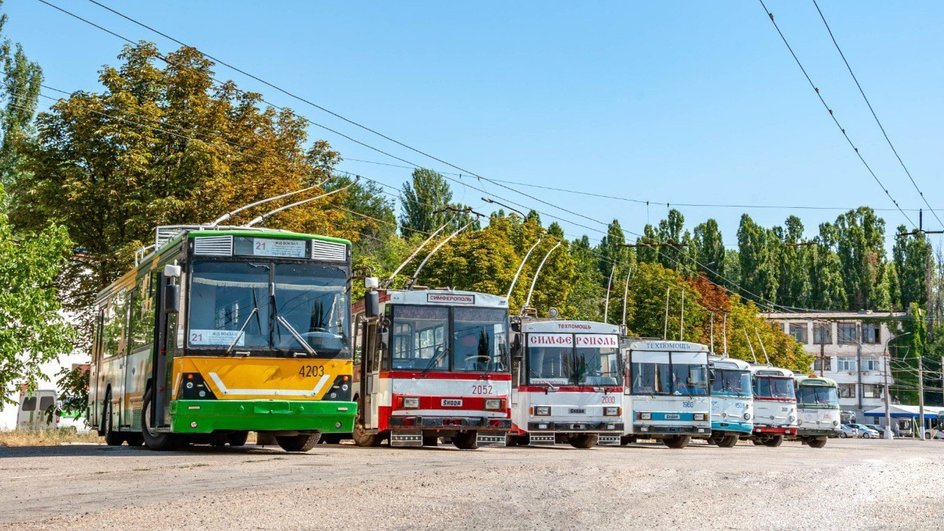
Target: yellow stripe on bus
pixel 264 378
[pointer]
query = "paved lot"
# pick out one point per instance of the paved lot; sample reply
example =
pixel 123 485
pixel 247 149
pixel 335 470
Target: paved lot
pixel 850 483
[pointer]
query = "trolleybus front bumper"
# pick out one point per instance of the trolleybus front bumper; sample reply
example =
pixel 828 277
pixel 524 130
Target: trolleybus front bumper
pixel 450 423
pixel 733 427
pixel 775 430
pixel 817 433
pixel 207 416
pixel 642 430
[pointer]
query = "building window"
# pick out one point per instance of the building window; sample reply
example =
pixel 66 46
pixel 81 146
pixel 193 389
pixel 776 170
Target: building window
pixel 872 333
pixel 845 363
pixel 847 390
pixel 846 333
pixel 823 364
pixel 871 364
pixel 822 333
pixel 799 331
pixel 872 391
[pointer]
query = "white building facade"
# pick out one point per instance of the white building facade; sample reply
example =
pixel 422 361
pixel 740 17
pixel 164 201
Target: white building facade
pixel 849 347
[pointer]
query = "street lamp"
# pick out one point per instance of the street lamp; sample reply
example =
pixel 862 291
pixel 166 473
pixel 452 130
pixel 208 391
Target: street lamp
pixel 888 416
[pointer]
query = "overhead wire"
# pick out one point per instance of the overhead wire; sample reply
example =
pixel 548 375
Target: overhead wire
pixel 832 114
pixel 874 115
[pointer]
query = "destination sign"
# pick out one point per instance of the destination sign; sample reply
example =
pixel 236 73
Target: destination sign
pixel 550 340
pixel 278 248
pixel 450 298
pixel 596 340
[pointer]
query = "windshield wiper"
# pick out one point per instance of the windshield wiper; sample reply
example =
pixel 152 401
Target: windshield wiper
pixel 298 337
pixel 242 329
pixel 433 361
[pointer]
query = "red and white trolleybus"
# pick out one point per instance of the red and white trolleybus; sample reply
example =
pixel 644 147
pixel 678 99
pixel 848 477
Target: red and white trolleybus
pixel 434 364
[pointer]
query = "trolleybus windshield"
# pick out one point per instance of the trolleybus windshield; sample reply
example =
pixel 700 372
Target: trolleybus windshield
pixel 729 382
pixel 664 373
pixel 773 387
pixel 569 359
pixel 480 339
pixel 269 309
pixel 817 395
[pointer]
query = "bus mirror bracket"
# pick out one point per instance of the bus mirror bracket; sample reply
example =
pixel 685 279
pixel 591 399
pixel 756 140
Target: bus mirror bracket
pixel 172 271
pixel 171 298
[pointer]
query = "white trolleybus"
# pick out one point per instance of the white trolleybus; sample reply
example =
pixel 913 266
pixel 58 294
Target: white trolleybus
pixel 666 392
pixel 434 364
pixel 774 405
pixel 732 401
pixel 817 410
pixel 566 386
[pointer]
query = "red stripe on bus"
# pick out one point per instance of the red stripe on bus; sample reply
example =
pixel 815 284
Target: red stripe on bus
pixel 418 375
pixel 570 389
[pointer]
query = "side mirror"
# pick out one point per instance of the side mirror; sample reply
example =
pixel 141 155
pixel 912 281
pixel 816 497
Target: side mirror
pixel 171 298
pixel 371 283
pixel 372 304
pixel 172 271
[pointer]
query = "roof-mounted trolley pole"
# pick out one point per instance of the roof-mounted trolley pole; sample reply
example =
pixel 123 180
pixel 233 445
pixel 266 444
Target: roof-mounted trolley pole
pixel 534 281
pixel 415 252
pixel 230 214
pixel 724 334
pixel 521 267
pixel 750 346
pixel 606 304
pixel 263 217
pixel 439 245
pixel 626 296
pixel 762 347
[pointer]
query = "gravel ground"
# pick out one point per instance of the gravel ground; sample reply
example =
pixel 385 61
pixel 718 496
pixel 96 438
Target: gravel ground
pixel 850 483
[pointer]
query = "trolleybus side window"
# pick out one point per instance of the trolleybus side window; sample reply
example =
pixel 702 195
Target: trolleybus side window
pixel 114 323
pixel 479 339
pixel 142 314
pixel 419 338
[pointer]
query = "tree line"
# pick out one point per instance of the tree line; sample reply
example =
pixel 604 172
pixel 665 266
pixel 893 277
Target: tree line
pixel 162 142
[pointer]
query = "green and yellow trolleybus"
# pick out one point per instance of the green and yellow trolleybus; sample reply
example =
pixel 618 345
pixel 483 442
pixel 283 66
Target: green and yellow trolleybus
pixel 224 330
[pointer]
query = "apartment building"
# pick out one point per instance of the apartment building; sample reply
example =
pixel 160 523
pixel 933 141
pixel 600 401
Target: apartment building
pixel 849 347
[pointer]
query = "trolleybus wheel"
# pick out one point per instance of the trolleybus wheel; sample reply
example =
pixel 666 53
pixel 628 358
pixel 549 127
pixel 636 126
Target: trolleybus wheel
pixel 584 440
pixel 237 438
pixel 364 438
pixel 756 441
pixel 816 443
pixel 677 441
pixel 465 440
pixel 298 443
pixel 715 439
pixel 155 441
pixel 728 441
pixel 112 437
pixel 774 441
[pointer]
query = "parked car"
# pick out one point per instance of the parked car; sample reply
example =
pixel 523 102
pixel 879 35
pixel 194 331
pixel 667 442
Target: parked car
pixel 847 431
pixel 866 432
pixel 881 430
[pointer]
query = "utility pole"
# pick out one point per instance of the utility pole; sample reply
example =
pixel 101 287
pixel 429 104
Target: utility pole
pixel 665 325
pixel 921 396
pixel 682 323
pixel 711 325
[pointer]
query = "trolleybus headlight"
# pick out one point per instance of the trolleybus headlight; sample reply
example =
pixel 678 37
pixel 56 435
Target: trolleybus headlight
pixel 411 402
pixel 493 403
pixel 542 411
pixel 747 416
pixel 835 423
pixel 644 416
pixel 611 411
pixel 799 422
pixel 699 416
pixel 791 418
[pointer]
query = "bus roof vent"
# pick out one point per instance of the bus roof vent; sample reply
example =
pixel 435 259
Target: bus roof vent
pixel 213 245
pixel 328 251
pixel 166 233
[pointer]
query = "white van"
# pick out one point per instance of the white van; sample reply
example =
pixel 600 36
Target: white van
pixel 32 413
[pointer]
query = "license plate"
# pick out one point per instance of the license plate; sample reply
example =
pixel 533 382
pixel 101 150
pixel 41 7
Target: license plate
pixel 451 402
pixel 575 411
pixel 671 416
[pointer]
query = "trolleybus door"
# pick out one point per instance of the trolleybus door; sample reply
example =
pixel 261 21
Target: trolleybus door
pixel 167 303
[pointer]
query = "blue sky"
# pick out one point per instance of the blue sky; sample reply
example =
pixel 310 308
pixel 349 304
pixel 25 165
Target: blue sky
pixel 678 102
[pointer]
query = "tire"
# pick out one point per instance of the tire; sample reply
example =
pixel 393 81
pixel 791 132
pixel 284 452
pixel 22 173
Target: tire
pixel 677 442
pixel 159 441
pixel 584 441
pixel 465 440
pixel 364 438
pixel 331 438
pixel 430 440
pixel 715 439
pixel 816 443
pixel 134 439
pixel 112 437
pixel 298 443
pixel 237 438
pixel 842 435
pixel 774 441
pixel 728 441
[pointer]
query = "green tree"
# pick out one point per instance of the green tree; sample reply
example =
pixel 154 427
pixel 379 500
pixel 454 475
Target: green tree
pixel 794 285
pixel 586 297
pixel 709 251
pixel 33 330
pixel 860 239
pixel 424 201
pixel 827 289
pixel 912 256
pixel 757 260
pixel 21 84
